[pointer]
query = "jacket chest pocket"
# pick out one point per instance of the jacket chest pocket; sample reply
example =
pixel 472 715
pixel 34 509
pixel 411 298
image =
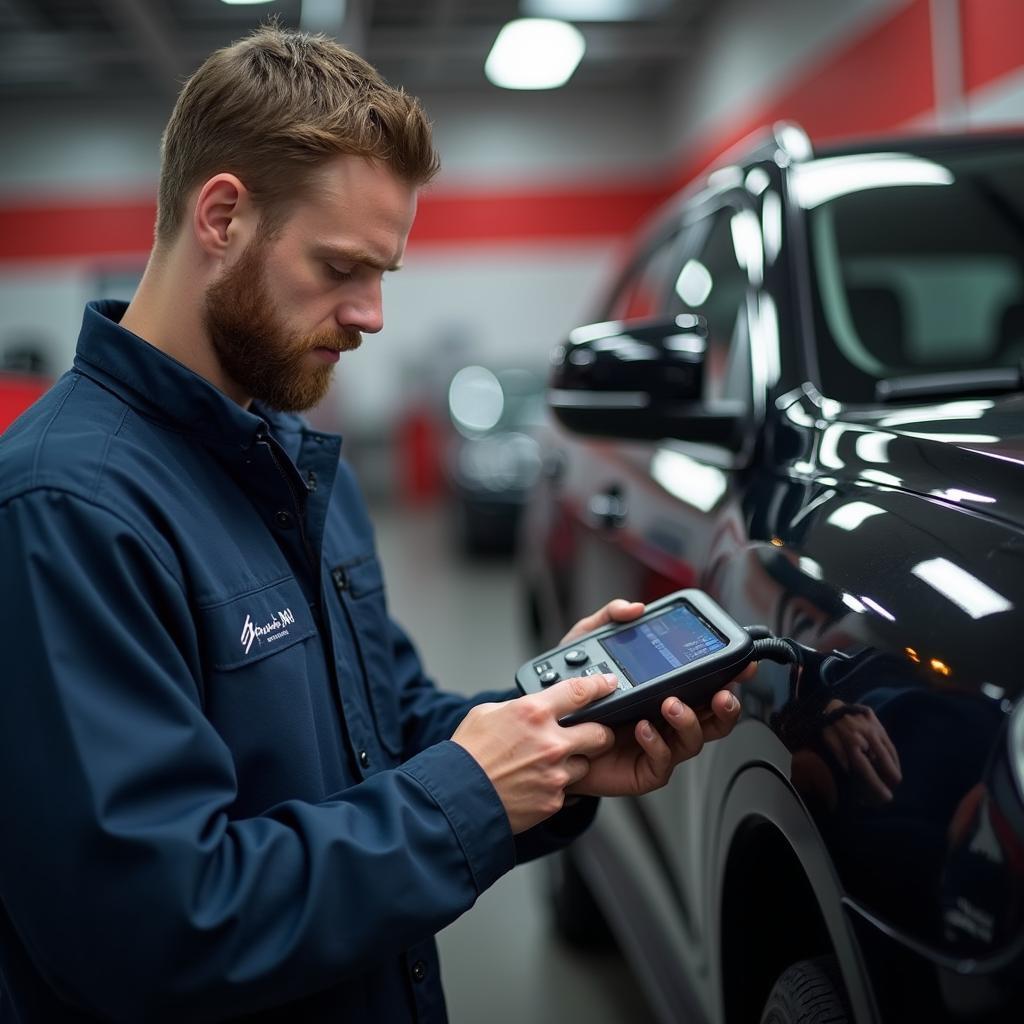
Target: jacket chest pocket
pixel 255 650
pixel 359 585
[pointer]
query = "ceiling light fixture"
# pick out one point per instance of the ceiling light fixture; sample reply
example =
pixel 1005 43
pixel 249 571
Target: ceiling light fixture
pixel 534 53
pixel 595 10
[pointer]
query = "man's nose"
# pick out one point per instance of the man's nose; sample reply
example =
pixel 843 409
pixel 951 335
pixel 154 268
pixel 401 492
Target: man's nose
pixel 365 311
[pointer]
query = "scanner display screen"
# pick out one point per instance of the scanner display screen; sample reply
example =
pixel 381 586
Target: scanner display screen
pixel 669 641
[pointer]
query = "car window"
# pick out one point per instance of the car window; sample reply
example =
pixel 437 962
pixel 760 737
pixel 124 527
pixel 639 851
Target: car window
pixel 917 264
pixel 712 283
pixel 642 293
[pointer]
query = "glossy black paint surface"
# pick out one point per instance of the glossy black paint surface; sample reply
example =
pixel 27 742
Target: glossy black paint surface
pixel 889 541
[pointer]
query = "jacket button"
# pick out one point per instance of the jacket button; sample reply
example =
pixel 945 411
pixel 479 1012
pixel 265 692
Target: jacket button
pixel 364 759
pixel 419 971
pixel 283 519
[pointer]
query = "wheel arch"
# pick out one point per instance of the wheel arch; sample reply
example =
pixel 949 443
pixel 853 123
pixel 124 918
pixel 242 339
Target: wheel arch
pixel 777 900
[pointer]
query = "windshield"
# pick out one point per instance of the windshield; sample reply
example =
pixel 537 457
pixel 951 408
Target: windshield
pixel 917 264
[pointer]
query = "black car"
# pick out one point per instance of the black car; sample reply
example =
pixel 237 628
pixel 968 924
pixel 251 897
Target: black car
pixel 804 397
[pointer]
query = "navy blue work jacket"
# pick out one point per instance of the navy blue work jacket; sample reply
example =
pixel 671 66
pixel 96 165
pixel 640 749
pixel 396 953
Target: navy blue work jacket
pixel 227 787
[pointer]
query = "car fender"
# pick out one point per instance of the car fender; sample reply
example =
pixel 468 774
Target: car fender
pixel 760 791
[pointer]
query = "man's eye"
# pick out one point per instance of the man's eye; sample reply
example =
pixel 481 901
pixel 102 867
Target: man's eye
pixel 338 275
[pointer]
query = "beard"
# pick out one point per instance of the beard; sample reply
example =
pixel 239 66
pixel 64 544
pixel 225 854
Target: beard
pixel 254 348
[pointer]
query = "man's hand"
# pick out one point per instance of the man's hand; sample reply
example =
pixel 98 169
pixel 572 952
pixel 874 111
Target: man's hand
pixel 530 759
pixel 644 755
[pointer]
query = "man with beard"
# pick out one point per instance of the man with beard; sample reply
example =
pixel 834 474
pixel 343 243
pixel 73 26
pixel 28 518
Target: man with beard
pixel 228 788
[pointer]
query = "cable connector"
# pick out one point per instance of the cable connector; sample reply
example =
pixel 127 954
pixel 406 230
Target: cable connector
pixel 781 650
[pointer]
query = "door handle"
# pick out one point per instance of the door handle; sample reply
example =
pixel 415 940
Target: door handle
pixel 608 508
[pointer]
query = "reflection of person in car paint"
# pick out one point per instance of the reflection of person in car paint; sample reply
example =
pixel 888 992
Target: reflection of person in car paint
pixel 855 741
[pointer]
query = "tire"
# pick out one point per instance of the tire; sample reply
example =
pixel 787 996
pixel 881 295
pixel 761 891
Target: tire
pixel 577 919
pixel 807 992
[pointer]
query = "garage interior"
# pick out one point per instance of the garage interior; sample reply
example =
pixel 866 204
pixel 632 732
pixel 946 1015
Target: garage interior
pixel 533 213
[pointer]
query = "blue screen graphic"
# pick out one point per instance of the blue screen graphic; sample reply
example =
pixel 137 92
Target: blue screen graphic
pixel 668 641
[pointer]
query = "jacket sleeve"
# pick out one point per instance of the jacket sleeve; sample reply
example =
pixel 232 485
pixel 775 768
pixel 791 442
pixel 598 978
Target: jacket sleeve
pixel 132 890
pixel 430 715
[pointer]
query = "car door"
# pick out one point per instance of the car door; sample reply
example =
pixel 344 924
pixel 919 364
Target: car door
pixel 651 518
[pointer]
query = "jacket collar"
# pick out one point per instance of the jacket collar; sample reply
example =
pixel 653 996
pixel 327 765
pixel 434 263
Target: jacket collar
pixel 158 386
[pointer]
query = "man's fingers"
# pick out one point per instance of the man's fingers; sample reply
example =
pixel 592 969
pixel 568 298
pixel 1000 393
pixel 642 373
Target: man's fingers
pixel 590 739
pixel 654 746
pixel 894 757
pixel 884 761
pixel 866 770
pixel 721 717
pixel 577 692
pixel 618 610
pixel 689 736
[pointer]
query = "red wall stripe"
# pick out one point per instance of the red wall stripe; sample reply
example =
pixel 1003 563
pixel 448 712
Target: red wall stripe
pixel 581 212
pixel 82 230
pixel 993 39
pixel 86 230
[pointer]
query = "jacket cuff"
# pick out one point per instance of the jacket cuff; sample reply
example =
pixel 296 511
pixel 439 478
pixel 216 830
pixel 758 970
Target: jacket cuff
pixel 461 788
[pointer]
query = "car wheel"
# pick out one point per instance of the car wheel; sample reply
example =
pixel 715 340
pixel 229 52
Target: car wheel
pixel 577 918
pixel 807 992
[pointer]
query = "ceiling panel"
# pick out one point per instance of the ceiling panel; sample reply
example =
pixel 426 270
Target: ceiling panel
pixel 145 47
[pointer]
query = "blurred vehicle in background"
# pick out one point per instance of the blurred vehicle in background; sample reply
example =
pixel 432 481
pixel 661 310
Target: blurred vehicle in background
pixel 803 396
pixel 494 457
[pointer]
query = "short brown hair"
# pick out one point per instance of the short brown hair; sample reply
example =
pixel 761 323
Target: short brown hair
pixel 275 105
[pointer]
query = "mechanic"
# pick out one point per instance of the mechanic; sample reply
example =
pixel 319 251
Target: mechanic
pixel 228 788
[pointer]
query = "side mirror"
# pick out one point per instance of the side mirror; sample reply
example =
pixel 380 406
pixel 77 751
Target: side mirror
pixel 640 379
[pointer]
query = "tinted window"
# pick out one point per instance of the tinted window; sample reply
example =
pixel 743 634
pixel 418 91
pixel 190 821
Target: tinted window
pixel 917 264
pixel 712 284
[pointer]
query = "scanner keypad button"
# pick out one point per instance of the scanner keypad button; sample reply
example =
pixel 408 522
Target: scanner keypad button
pixel 548 677
pixel 577 656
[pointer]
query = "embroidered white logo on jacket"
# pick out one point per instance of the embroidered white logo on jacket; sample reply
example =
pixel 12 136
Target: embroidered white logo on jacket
pixel 270 631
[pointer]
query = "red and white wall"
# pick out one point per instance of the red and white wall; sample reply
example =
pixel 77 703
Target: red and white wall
pixel 538 192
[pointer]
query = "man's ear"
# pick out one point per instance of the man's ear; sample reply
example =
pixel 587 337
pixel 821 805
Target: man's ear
pixel 224 216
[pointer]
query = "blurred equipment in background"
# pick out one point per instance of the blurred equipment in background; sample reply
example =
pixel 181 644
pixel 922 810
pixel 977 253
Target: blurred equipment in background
pixel 494 455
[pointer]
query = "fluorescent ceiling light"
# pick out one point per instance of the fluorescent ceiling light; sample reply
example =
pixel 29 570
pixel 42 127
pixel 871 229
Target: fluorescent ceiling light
pixel 243 3
pixel 535 53
pixel 976 598
pixel 595 10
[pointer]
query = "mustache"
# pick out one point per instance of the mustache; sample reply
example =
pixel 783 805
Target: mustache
pixel 346 341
